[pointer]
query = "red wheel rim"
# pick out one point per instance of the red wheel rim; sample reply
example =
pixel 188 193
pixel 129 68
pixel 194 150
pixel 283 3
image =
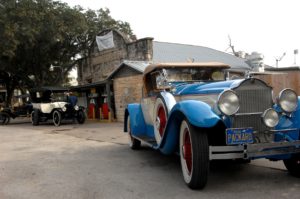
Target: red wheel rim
pixel 187 150
pixel 163 119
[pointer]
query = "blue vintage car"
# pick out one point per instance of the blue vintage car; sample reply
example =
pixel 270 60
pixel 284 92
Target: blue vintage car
pixel 195 110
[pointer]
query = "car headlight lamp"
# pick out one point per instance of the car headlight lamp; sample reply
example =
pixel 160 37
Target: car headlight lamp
pixel 270 118
pixel 76 108
pixel 288 100
pixel 64 108
pixel 228 102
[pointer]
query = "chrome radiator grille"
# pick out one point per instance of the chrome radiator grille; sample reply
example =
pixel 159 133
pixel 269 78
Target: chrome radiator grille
pixel 255 97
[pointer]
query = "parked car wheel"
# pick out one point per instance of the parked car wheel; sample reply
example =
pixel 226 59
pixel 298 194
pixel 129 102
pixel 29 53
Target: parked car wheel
pixel 80 117
pixel 194 155
pixel 4 118
pixel 133 142
pixel 160 119
pixel 56 117
pixel 293 165
pixel 35 117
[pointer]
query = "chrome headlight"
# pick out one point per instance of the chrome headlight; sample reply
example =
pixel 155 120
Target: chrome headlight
pixel 64 108
pixel 76 108
pixel 288 100
pixel 270 118
pixel 228 102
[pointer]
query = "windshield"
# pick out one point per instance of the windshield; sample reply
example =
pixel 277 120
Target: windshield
pixel 58 97
pixel 195 74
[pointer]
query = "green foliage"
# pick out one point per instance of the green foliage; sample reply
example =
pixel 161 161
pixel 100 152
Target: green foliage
pixel 36 34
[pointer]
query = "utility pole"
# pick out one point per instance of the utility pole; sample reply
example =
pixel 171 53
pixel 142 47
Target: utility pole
pixel 295 55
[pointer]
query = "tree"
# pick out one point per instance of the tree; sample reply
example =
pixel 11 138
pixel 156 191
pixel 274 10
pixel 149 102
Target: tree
pixel 38 34
pixel 11 82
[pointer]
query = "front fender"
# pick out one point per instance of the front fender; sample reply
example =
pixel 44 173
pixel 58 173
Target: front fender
pixel 137 122
pixel 197 113
pixel 290 122
pixel 10 113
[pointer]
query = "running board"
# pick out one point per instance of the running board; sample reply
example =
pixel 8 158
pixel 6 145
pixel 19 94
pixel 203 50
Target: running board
pixel 147 140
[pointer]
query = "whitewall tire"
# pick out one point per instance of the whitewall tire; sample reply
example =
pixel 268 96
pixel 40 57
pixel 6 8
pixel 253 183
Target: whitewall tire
pixel 194 155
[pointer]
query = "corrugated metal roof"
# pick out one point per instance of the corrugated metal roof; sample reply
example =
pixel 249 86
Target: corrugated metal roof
pixel 172 52
pixel 291 68
pixel 137 65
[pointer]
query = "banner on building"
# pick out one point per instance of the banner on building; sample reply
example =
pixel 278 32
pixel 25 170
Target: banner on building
pixel 106 41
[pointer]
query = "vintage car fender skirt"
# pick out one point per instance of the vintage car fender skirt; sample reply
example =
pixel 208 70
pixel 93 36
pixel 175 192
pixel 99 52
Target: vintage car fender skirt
pixel 56 118
pixel 160 119
pixel 133 143
pixel 194 155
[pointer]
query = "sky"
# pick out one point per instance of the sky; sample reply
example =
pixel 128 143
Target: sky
pixel 270 27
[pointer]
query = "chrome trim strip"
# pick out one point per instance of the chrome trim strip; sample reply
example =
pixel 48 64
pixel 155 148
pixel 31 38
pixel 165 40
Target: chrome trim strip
pixel 283 130
pixel 242 114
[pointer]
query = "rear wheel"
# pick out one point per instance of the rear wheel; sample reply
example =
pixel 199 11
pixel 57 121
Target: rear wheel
pixel 80 117
pixel 56 118
pixel 4 118
pixel 133 142
pixel 194 155
pixel 293 165
pixel 35 117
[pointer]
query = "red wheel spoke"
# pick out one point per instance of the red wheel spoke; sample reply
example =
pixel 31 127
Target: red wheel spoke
pixel 163 120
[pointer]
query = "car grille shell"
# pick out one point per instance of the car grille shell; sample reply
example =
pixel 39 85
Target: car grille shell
pixel 255 97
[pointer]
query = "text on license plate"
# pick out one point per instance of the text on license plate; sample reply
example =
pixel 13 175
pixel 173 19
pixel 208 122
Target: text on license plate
pixel 239 136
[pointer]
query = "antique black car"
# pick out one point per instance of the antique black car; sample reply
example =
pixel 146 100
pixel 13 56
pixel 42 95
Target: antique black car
pixel 55 104
pixel 20 107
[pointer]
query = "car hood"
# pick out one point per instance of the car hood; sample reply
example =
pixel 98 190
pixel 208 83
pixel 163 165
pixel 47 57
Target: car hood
pixel 204 87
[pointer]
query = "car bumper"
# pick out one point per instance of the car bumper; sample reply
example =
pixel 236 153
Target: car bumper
pixel 253 151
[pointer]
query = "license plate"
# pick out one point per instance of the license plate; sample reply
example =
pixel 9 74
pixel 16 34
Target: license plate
pixel 239 136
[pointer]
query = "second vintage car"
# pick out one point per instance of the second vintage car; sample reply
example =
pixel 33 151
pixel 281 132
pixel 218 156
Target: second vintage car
pixel 193 109
pixel 54 104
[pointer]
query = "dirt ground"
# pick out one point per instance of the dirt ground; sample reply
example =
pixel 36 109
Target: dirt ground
pixel 94 161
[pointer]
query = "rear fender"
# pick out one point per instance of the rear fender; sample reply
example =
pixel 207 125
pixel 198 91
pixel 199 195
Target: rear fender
pixel 197 113
pixel 137 122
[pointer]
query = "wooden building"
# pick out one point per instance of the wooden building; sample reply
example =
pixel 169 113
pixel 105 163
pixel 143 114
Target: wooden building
pixel 113 76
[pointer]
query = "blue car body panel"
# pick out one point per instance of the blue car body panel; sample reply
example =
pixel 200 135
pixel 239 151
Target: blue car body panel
pixel 137 122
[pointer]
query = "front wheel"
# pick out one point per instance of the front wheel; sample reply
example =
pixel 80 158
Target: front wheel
pixel 56 118
pixel 80 117
pixel 194 155
pixel 293 165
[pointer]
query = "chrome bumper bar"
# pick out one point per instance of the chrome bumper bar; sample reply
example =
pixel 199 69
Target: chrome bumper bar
pixel 248 151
